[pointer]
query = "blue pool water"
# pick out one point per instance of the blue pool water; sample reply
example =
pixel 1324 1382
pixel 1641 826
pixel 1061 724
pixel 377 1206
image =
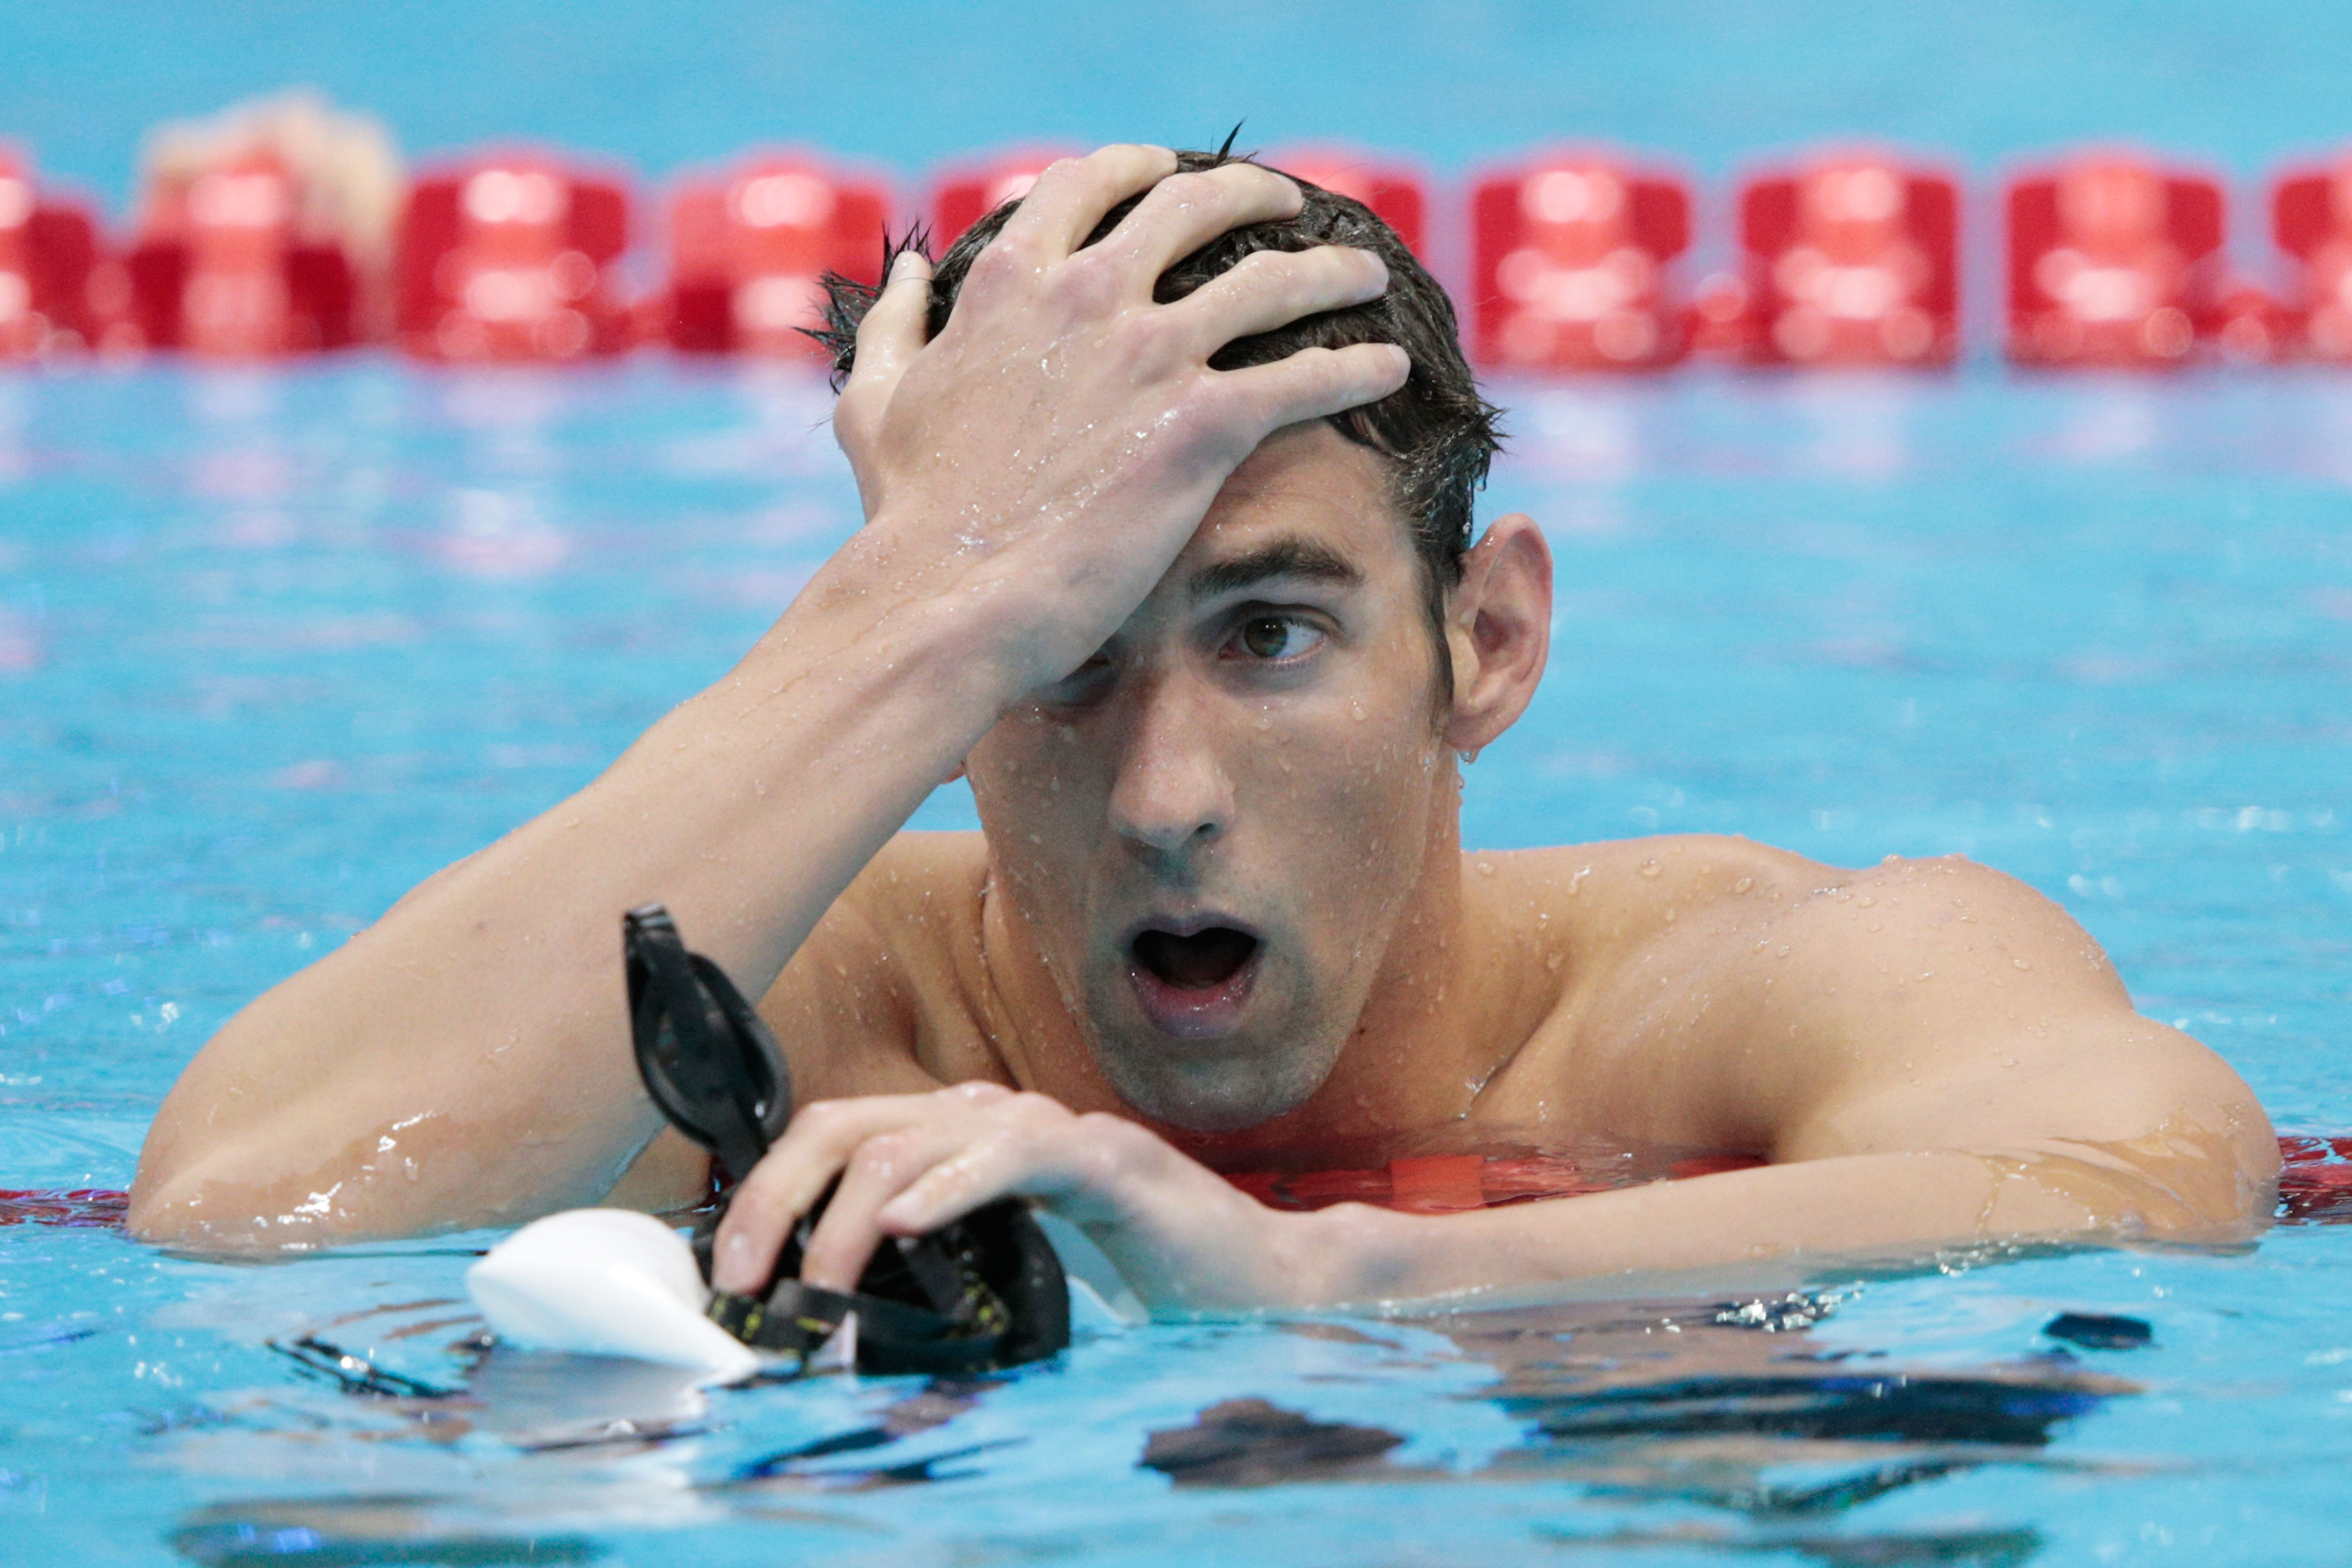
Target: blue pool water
pixel 274 646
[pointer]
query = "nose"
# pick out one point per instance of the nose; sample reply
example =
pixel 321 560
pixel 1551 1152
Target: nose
pixel 1172 795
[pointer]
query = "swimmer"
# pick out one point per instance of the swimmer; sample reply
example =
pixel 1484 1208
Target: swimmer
pixel 1168 475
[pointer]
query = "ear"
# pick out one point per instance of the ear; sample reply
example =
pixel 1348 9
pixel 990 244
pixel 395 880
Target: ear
pixel 1498 627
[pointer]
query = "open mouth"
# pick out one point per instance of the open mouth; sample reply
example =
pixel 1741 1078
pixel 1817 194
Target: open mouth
pixel 1193 984
pixel 1198 963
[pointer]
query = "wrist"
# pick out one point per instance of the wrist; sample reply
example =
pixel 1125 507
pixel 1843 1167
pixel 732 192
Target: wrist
pixel 961 620
pixel 1348 1255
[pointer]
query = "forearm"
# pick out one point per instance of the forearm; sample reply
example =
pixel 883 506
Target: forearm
pixel 1765 1228
pixel 465 1059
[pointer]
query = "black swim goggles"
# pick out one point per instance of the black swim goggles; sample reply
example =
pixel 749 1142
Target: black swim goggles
pixel 983 1292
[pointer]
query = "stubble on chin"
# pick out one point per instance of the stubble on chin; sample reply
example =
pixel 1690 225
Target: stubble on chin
pixel 1219 1085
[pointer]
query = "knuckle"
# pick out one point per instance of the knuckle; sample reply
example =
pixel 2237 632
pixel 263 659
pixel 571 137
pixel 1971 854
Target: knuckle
pixel 822 1118
pixel 1152 338
pixel 1113 1135
pixel 754 1202
pixel 1090 280
pixel 1188 184
pixel 1035 1109
pixel 1000 261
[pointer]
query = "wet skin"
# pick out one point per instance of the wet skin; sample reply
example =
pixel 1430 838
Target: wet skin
pixel 1173 627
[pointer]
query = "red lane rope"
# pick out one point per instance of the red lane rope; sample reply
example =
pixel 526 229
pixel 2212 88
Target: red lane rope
pixel 2315 1188
pixel 91 1208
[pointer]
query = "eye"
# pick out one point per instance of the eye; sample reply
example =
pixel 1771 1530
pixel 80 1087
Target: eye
pixel 1278 637
pixel 1082 685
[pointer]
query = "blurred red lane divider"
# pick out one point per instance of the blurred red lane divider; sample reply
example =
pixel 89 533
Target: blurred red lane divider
pixel 48 249
pixel 1572 265
pixel 510 257
pixel 280 228
pixel 748 247
pixel 1851 258
pixel 2115 262
pixel 2315 1189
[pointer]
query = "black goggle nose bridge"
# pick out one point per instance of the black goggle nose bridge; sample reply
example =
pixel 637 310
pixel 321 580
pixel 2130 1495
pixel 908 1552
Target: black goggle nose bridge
pixel 708 1061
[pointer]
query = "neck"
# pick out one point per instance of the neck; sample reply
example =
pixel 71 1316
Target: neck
pixel 1422 1047
pixel 1424 1043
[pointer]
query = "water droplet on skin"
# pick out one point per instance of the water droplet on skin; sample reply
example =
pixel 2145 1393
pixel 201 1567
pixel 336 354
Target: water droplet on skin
pixel 2008 1062
pixel 1742 885
pixel 1867 900
pixel 1874 925
pixel 1576 883
pixel 1485 868
pixel 2021 963
pixel 1670 914
pixel 1650 868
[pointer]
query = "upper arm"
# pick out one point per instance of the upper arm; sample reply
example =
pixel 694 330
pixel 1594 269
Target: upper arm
pixel 1939 1005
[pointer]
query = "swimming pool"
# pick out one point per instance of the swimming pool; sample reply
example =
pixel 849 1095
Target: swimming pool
pixel 273 647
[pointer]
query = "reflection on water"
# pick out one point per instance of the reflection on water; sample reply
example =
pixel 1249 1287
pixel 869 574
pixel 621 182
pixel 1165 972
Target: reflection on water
pixel 1722 1426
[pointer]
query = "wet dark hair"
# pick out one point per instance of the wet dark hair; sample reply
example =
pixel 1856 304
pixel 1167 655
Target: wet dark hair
pixel 1438 433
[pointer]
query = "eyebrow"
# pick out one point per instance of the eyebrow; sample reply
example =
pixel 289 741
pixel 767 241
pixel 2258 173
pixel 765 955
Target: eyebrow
pixel 1277 558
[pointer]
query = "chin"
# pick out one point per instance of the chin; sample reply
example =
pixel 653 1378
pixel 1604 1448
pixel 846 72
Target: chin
pixel 1224 1085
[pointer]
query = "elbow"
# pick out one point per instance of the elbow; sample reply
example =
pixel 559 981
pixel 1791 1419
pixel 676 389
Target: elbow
pixel 167 1208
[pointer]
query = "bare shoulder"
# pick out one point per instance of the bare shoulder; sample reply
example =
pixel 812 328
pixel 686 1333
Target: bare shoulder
pixel 875 1000
pixel 1688 900
pixel 1614 897
pixel 1729 993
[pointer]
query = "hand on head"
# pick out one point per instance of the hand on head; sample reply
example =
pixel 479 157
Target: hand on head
pixel 1053 448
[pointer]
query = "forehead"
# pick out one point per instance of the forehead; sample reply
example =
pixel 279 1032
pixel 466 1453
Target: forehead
pixel 1310 483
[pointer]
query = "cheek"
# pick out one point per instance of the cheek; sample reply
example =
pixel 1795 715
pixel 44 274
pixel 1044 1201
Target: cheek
pixel 1031 779
pixel 1345 792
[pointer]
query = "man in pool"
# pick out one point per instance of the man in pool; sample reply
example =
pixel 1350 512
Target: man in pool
pixel 1166 478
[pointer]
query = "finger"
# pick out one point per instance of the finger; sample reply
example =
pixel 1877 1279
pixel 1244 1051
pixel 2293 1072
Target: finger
pixel 895 325
pixel 845 1239
pixel 1074 195
pixel 1274 287
pixel 1185 211
pixel 768 1201
pixel 978 1172
pixel 1315 383
pixel 895 329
